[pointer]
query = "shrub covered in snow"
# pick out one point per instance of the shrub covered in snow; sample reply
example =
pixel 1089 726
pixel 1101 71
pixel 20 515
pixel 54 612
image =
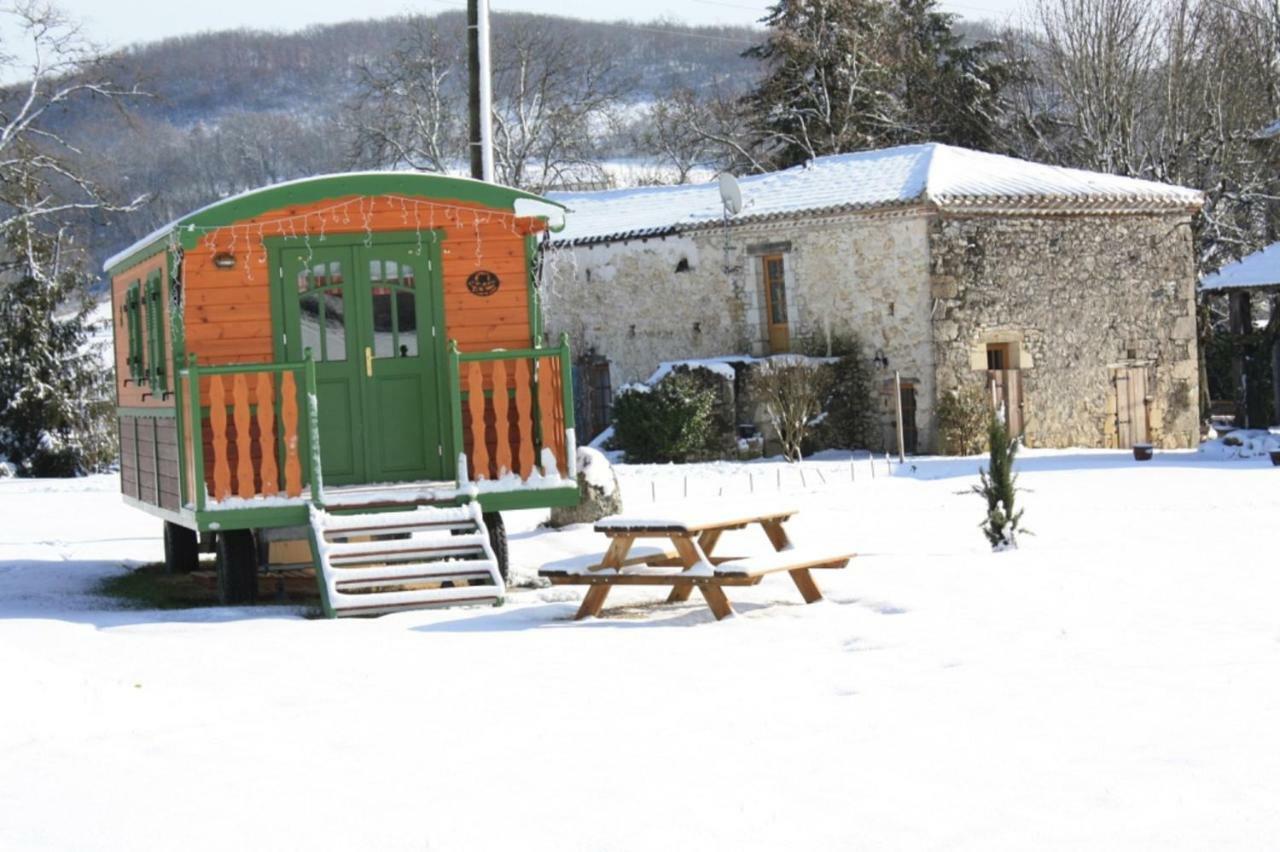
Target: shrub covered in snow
pixel 598 491
pixel 1241 444
pixel 675 421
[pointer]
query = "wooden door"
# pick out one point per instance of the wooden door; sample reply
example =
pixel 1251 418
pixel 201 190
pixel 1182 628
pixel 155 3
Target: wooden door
pixel 1132 426
pixel 775 304
pixel 400 360
pixel 910 436
pixel 320 310
pixel 1005 387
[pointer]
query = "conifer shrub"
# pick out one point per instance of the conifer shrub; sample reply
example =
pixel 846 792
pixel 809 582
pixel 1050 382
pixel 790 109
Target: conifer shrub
pixel 55 391
pixel 998 485
pixel 963 418
pixel 851 420
pixel 674 421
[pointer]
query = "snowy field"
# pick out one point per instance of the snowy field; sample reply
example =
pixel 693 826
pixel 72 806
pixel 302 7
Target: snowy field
pixel 1114 684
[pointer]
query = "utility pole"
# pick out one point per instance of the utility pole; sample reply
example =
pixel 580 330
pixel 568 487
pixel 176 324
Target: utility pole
pixel 480 92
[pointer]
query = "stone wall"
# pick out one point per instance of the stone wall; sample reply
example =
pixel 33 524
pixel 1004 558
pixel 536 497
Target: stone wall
pixel 854 274
pixel 1077 298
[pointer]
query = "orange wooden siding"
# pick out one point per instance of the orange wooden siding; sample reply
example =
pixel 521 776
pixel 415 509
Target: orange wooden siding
pixel 228 311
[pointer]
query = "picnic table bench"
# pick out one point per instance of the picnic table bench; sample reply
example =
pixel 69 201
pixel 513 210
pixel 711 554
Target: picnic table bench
pixel 689 561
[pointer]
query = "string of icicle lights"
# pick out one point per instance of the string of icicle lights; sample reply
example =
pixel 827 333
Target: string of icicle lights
pixel 312 226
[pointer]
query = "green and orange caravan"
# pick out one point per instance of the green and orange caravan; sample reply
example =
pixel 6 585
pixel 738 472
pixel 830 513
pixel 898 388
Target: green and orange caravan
pixel 345 374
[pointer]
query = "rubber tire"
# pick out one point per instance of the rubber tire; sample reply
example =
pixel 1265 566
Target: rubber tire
pixel 498 541
pixel 237 567
pixel 181 549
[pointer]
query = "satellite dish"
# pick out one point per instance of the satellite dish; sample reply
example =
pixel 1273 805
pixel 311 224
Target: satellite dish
pixel 730 194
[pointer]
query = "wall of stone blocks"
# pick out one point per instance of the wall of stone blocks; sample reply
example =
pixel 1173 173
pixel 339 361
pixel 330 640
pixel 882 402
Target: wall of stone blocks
pixel 853 274
pixel 1081 296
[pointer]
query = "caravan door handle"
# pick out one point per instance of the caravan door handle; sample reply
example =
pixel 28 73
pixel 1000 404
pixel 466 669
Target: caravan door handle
pixel 368 361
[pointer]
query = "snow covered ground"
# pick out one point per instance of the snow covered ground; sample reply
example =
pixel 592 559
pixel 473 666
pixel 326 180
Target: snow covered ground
pixel 1114 684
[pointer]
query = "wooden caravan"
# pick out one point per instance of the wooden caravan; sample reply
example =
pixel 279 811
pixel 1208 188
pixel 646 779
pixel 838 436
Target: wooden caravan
pixel 335 345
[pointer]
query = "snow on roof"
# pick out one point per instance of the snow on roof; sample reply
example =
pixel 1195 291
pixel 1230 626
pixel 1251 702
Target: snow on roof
pixel 531 204
pixel 1260 269
pixel 941 175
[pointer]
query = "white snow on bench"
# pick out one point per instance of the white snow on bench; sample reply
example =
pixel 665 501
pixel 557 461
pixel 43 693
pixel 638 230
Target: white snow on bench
pixel 696 515
pixel 583 564
pixel 791 557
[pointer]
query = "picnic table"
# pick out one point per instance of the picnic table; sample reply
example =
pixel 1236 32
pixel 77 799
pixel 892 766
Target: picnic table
pixel 686 557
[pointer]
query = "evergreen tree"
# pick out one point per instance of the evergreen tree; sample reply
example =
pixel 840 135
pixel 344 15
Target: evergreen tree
pixel 951 92
pixel 998 486
pixel 848 75
pixel 54 387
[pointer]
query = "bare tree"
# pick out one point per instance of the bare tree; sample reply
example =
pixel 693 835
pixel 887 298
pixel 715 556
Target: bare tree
pixel 794 391
pixel 550 105
pixel 42 182
pixel 710 127
pixel 1101 59
pixel 410 108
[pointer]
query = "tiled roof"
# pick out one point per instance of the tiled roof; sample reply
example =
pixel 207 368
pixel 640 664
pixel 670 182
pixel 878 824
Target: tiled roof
pixel 940 175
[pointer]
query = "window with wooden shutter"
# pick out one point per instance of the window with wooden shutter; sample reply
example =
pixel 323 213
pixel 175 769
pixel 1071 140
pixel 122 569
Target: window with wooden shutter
pixel 133 328
pixel 156 374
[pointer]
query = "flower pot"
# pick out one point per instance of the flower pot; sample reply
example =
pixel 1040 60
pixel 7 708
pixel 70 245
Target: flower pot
pixel 1142 452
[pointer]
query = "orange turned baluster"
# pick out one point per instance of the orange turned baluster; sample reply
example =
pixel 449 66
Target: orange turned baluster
pixel 244 443
pixel 218 426
pixel 267 435
pixel 500 422
pixel 548 369
pixel 289 425
pixel 524 417
pixel 479 433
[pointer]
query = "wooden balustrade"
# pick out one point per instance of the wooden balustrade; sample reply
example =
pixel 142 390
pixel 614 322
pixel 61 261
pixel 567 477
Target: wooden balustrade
pixel 249 428
pixel 514 410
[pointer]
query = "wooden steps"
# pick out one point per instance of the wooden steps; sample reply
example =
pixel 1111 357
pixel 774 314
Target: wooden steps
pixel 378 562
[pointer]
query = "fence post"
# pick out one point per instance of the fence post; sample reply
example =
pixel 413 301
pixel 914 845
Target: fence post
pixel 315 476
pixel 566 405
pixel 197 434
pixel 455 403
pixel 897 412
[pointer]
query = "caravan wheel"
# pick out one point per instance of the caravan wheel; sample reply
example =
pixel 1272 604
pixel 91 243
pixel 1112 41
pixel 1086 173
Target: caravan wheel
pixel 237 567
pixel 498 541
pixel 181 549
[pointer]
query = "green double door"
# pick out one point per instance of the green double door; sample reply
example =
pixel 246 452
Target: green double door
pixel 371 316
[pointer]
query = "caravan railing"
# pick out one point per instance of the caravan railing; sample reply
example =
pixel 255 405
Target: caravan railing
pixel 240 429
pixel 513 413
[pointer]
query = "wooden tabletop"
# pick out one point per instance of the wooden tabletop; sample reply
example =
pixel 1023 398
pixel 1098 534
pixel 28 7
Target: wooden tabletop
pixel 695 518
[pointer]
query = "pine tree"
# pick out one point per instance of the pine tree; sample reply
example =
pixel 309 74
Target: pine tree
pixel 998 486
pixel 848 75
pixel 54 387
pixel 827 86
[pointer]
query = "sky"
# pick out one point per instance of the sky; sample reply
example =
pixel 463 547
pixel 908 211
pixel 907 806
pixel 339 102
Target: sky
pixel 117 23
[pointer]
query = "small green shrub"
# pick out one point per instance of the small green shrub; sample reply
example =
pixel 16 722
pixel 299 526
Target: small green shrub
pixel 852 420
pixel 963 417
pixel 998 485
pixel 672 422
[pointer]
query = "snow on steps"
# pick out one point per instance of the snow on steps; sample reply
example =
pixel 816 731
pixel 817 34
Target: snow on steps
pixel 375 575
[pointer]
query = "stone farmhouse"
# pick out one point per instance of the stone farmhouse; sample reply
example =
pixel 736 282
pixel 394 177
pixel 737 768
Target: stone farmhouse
pixel 1069 295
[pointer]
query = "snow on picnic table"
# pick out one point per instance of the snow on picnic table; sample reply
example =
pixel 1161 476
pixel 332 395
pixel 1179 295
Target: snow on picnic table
pixel 1111 685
